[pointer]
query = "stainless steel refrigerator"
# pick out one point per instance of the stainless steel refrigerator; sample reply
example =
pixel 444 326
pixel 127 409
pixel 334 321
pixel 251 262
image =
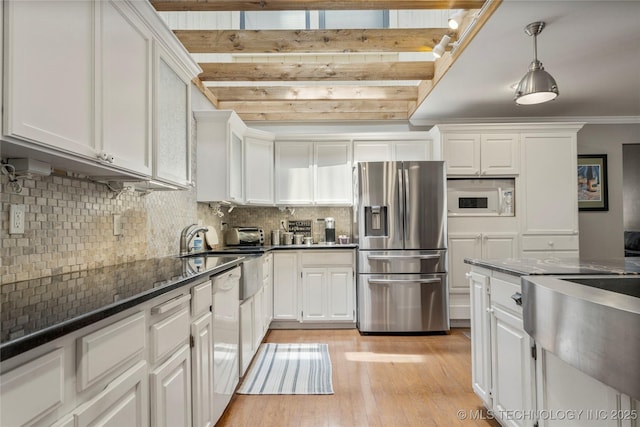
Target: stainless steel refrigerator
pixel 400 221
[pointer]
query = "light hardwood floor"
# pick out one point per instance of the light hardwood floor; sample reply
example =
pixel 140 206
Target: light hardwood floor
pixel 378 381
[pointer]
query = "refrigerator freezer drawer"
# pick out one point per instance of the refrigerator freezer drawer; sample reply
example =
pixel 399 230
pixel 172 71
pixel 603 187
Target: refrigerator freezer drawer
pixel 389 262
pixel 403 303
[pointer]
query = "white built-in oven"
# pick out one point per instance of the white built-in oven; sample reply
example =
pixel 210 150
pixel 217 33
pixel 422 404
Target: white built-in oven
pixel 481 197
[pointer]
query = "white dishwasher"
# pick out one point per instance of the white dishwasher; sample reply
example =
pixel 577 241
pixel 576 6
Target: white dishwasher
pixel 226 322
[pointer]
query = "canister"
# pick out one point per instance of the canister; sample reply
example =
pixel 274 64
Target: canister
pixel 287 238
pixel 275 237
pixel 298 238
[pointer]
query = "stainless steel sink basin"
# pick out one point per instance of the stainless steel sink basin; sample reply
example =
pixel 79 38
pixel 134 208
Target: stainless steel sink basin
pixel 590 322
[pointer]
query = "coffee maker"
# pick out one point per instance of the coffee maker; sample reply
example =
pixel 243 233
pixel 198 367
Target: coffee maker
pixel 330 231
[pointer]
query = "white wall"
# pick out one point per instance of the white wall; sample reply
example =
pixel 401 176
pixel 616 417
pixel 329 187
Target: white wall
pixel 631 189
pixel 602 233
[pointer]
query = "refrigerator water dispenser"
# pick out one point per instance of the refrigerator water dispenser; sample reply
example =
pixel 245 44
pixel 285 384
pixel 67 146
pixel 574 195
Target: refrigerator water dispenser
pixel 375 221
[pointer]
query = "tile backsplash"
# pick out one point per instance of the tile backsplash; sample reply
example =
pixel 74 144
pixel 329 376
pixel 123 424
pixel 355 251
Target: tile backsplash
pixel 69 225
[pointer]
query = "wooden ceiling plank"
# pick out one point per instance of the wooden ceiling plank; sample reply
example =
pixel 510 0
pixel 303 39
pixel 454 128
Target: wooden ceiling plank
pixel 353 106
pixel 274 93
pixel 267 5
pixel 316 117
pixel 316 41
pixel 238 71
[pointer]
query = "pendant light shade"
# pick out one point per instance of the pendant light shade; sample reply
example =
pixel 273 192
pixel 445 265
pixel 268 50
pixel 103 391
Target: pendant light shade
pixel 537 86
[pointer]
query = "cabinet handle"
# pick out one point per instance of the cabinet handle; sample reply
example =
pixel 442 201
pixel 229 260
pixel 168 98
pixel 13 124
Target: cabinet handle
pixel 489 310
pixel 467 275
pixel 551 243
pixel 171 304
pixel 517 297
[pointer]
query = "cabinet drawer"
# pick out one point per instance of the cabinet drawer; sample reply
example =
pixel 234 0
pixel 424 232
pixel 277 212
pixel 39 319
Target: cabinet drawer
pixel 324 257
pixel 108 350
pixel 502 293
pixel 546 243
pixel 32 390
pixel 201 299
pixel 169 334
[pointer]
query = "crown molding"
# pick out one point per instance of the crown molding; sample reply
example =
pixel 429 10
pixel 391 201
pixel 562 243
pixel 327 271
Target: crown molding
pixel 590 120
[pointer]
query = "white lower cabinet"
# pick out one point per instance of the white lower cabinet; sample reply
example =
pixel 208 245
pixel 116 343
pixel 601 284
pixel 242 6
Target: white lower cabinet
pixel 314 286
pixel 246 335
pixel 124 401
pixel 202 371
pixel 32 390
pixel 480 337
pixel 171 391
pixel 523 384
pixel 503 365
pixel 477 245
pixel 285 285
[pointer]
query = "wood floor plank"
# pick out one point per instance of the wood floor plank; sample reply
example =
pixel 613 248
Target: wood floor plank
pixel 378 381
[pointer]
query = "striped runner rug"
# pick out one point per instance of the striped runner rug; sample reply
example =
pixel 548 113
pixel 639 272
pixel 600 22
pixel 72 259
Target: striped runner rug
pixel 301 368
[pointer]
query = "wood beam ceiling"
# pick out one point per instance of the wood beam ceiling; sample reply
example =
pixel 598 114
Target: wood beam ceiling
pixel 314 91
pixel 266 5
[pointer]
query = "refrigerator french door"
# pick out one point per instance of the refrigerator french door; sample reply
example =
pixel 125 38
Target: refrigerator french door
pixel 400 225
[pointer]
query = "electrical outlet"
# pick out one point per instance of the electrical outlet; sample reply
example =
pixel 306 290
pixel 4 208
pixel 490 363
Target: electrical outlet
pixel 16 219
pixel 117 225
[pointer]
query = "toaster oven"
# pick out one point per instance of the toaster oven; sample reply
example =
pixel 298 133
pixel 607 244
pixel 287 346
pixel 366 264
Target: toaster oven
pixel 244 236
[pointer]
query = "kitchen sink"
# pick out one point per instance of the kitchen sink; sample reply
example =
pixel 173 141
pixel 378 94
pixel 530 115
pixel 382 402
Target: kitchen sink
pixel 590 322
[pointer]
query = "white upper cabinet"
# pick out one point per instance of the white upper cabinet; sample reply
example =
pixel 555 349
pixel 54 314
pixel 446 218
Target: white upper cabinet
pixel 312 172
pixel 258 168
pixel 332 174
pixel 124 86
pixel 481 154
pixel 550 181
pixel 294 173
pixel 394 148
pixel 49 92
pixel 172 121
pixel 220 156
pixel 89 108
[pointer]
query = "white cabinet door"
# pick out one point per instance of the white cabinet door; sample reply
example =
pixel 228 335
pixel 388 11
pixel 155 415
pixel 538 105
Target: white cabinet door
pixel 285 286
pixel 372 151
pixel 499 245
pixel 499 154
pixel 333 175
pixel 258 170
pixel 124 402
pixel 294 173
pixel 172 122
pixel 246 334
pixel 462 153
pixel 412 150
pixel 125 91
pixel 314 294
pixel 561 387
pixel 549 184
pixel 258 320
pixel 49 96
pixel 480 337
pixel 171 391
pixel 512 368
pixel 236 166
pixel 202 370
pixel 340 294
pixel 461 246
pixel 267 305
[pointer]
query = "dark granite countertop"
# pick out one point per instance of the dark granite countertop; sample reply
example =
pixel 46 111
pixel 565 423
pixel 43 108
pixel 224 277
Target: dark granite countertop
pixel 558 266
pixel 37 311
pixel 269 248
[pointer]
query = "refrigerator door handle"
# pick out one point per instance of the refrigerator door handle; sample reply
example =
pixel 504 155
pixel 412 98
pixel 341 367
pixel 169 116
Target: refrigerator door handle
pixel 402 281
pixel 388 257
pixel 400 197
pixel 407 202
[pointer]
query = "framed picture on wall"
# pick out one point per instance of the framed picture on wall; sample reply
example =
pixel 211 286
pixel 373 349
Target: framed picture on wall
pixel 592 182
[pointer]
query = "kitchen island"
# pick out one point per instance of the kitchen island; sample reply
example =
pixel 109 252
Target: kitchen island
pixel 519 377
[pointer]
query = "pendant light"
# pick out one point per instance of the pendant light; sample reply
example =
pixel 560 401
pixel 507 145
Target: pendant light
pixel 537 86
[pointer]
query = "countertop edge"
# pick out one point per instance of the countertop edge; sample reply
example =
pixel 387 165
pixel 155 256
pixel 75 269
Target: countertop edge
pixel 28 342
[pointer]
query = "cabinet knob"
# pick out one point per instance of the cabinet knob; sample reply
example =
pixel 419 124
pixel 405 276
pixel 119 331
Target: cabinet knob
pixel 478 236
pixel 106 157
pixel 489 310
pixel 467 275
pixel 551 243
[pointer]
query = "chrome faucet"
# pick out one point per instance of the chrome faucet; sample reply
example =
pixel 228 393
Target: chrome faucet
pixel 187 234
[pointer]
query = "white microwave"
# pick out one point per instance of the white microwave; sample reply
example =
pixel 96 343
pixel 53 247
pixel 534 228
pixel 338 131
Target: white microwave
pixel 481 197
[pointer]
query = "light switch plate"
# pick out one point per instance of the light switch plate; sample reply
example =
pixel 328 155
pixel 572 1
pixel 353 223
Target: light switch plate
pixel 117 225
pixel 16 219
